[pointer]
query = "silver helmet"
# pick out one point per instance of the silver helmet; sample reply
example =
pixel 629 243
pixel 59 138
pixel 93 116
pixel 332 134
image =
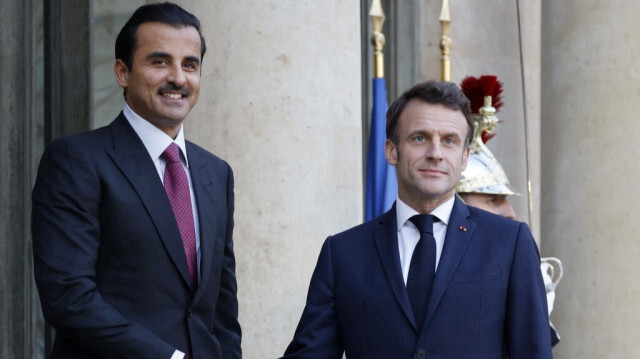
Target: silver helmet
pixel 483 174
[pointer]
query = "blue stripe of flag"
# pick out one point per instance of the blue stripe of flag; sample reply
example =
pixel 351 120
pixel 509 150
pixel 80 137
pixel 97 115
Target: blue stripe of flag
pixel 381 182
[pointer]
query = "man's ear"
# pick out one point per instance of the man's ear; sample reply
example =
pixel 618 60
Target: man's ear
pixel 391 152
pixel 121 71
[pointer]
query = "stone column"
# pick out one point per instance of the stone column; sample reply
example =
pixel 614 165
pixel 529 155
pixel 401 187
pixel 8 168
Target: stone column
pixel 68 63
pixel 590 127
pixel 18 329
pixel 281 102
pixel 486 42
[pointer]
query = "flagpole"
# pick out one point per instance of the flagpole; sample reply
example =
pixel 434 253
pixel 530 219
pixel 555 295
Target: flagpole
pixel 377 39
pixel 381 183
pixel 445 42
pixel 527 150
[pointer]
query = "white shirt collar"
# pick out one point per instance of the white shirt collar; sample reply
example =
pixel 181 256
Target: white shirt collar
pixel 404 212
pixel 153 138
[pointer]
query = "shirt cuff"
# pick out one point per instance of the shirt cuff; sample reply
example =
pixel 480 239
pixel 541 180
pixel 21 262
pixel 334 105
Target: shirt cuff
pixel 177 355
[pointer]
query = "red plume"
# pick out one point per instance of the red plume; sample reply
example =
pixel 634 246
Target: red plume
pixel 476 89
pixel 486 136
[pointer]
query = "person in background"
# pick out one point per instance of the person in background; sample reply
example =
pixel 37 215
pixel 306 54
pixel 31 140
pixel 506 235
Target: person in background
pixel 132 224
pixel 432 277
pixel 484 183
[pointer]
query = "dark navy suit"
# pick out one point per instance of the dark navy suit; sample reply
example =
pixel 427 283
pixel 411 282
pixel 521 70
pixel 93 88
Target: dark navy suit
pixel 109 262
pixel 488 299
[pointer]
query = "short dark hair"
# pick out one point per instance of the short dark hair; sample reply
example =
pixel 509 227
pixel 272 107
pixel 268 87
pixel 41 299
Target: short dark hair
pixel 447 94
pixel 167 13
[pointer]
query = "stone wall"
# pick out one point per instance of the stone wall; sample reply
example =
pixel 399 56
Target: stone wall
pixel 591 67
pixel 280 100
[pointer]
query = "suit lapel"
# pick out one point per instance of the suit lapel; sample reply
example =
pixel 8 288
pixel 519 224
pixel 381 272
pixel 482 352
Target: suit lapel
pixel 207 201
pixel 386 239
pixel 459 232
pixel 130 155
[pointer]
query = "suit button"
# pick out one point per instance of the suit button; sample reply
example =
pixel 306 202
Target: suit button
pixel 189 313
pixel 422 353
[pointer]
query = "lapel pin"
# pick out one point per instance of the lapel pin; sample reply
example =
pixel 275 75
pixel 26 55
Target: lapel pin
pixel 463 228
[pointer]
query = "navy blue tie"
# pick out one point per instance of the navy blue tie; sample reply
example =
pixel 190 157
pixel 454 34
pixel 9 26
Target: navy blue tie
pixel 422 267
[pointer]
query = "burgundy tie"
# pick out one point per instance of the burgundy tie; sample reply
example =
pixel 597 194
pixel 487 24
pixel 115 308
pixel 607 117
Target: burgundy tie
pixel 177 186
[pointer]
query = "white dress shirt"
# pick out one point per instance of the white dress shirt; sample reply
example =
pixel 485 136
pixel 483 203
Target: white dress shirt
pixel 408 234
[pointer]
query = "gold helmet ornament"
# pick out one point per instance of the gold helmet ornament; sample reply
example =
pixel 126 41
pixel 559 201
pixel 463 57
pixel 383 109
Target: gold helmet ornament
pixel 483 174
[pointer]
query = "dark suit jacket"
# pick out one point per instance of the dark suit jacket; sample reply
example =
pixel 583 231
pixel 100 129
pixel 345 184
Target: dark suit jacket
pixel 108 257
pixel 488 299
